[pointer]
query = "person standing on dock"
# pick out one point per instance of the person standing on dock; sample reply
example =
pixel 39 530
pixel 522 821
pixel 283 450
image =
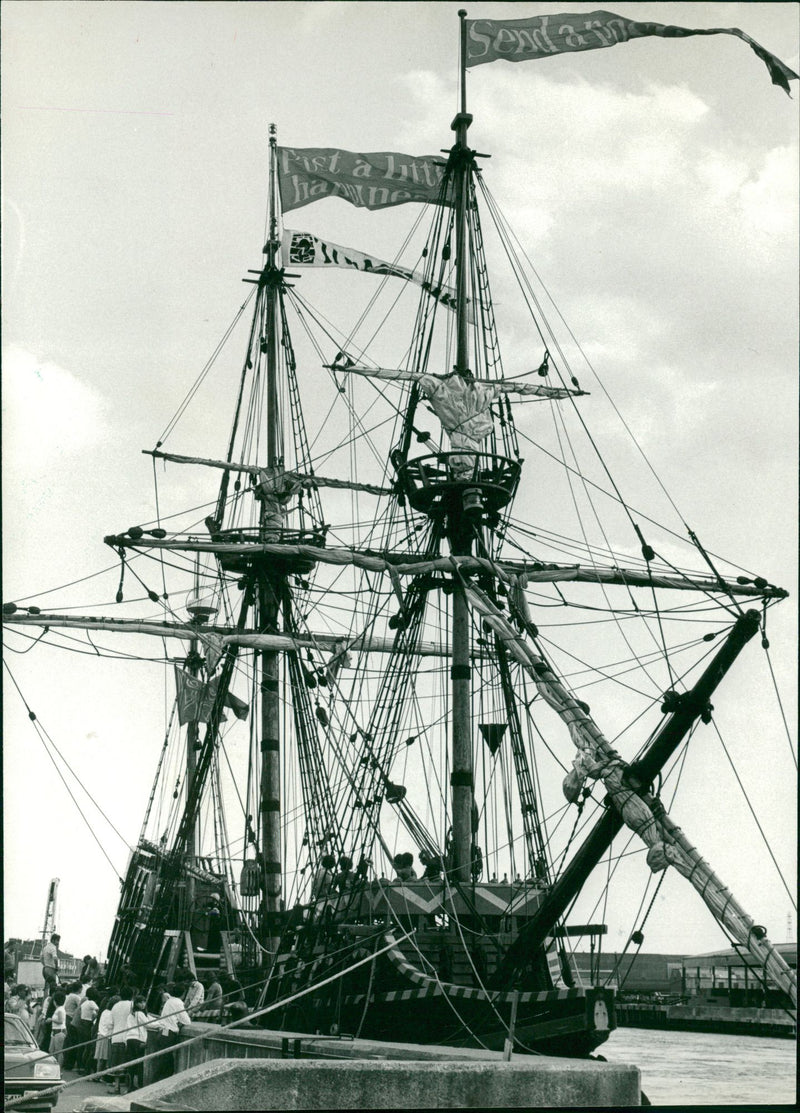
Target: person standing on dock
pixel 194 995
pixel 83 1027
pixel 58 1029
pixel 105 1027
pixel 120 1014
pixel 50 962
pixel 173 1017
pixel 136 1041
pixel 72 1008
pixel 90 970
pixel 214 994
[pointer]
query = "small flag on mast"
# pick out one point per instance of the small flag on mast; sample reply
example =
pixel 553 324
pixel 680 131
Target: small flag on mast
pixel 192 702
pixel 519 40
pixel 196 698
pixel 369 181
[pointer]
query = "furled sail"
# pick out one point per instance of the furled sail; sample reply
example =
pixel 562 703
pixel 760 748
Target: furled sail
pixel 461 402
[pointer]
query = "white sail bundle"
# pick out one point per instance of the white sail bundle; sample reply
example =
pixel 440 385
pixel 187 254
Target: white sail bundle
pixel 461 402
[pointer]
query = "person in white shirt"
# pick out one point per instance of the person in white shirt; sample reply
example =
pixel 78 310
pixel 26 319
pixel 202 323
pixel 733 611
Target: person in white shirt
pixel 58 1029
pixel 50 962
pixel 173 1012
pixel 136 1041
pixel 194 996
pixel 120 1020
pixel 105 1026
pixel 82 1027
pixel 173 1017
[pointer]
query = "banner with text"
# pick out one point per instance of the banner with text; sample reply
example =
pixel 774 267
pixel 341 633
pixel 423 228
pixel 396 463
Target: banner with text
pixel 302 249
pixel 518 40
pixel 371 181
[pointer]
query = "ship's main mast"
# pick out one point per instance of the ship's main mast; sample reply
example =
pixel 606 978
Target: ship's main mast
pixel 459 527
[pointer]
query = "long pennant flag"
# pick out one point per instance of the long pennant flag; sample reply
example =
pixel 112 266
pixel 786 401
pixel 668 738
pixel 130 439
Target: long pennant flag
pixel 518 40
pixel 302 249
pixel 371 181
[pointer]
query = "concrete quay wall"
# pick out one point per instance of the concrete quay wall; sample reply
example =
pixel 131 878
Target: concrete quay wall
pixel 261 1043
pixel 283 1084
pixel 242 1070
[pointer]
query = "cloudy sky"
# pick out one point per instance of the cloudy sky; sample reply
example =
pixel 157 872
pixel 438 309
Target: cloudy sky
pixel 655 186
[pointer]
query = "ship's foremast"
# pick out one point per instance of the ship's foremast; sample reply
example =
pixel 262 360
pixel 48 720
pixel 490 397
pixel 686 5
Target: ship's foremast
pixel 270 592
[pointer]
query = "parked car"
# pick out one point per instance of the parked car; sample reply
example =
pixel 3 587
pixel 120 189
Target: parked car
pixel 27 1070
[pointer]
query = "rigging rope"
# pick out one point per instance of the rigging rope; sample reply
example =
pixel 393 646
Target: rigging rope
pixel 504 227
pixel 204 372
pixel 42 733
pixel 753 813
pixel 780 702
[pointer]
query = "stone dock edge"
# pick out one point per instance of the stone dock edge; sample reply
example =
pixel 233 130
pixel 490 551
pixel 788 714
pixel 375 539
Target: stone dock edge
pixel 249 1070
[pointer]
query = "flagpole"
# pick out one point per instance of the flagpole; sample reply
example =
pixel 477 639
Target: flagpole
pixel 462 15
pixel 462 180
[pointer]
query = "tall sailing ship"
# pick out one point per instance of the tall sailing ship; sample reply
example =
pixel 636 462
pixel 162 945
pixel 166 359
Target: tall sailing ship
pixel 371 702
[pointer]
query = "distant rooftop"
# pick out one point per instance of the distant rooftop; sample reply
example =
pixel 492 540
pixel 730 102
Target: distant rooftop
pixel 732 956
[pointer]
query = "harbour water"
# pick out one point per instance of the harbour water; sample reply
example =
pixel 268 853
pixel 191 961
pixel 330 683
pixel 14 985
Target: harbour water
pixel 697 1068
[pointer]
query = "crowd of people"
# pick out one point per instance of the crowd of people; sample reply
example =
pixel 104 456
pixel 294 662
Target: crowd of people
pixel 91 1026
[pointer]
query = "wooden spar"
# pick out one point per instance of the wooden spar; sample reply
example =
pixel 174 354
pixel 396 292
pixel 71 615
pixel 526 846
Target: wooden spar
pixel 192 745
pixel 409 564
pixel 256 469
pixel 330 643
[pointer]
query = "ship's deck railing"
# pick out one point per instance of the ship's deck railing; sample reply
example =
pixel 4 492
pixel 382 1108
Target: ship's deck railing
pixel 249 535
pixel 257 535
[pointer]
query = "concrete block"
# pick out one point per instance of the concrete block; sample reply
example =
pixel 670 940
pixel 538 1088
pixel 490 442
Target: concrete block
pixel 287 1084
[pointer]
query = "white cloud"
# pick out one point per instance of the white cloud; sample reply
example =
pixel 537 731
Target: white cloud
pixel 722 177
pixel 47 410
pixel 769 201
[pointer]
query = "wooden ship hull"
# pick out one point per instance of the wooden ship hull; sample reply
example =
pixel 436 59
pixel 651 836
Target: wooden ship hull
pixel 431 987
